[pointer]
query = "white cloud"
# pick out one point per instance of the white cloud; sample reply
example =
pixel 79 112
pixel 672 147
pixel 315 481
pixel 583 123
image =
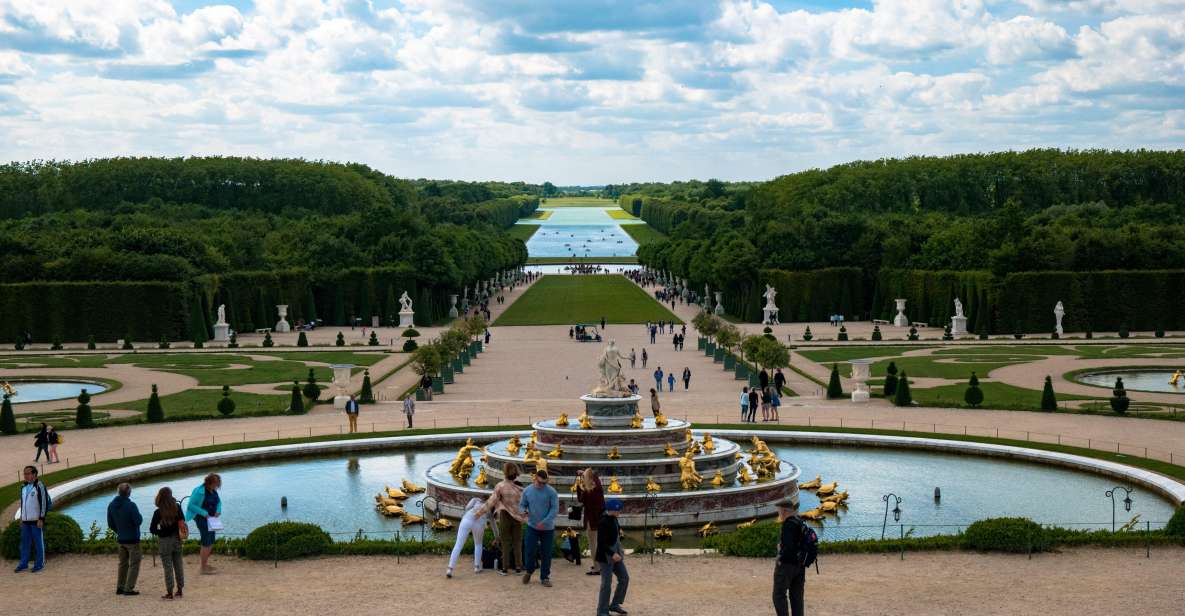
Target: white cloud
pixel 532 89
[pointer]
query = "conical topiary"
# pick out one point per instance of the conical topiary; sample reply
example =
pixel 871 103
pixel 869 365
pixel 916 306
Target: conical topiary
pixel 164 343
pixel 913 333
pixel 946 335
pixel 90 342
pixel 974 395
pixel 226 406
pixel 1048 400
pixel 891 380
pixel 1119 399
pixel 807 335
pixel 374 339
pixel 155 414
pixel 341 339
pixel 834 389
pixel 366 396
pixel 233 343
pixel 296 405
pixel 843 334
pixel 7 417
pixel 267 340
pixel 302 340
pixel 127 343
pixel 876 333
pixel 902 397
pixel 82 415
pixel 311 391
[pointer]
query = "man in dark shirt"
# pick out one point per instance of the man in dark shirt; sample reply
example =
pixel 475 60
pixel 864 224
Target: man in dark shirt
pixel 789 576
pixel 754 402
pixel 611 558
pixel 779 380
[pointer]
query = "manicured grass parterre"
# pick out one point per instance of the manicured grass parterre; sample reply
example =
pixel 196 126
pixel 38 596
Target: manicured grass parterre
pixel 565 300
pixel 621 215
pixel 203 404
pixel 995 396
pixel 643 234
pixel 576 202
pixel 846 353
pixel 540 215
pixel 523 231
pixel 222 369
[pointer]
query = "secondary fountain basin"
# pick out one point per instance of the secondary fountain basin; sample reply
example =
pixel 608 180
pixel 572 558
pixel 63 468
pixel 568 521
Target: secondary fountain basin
pixel 41 391
pixel 1157 380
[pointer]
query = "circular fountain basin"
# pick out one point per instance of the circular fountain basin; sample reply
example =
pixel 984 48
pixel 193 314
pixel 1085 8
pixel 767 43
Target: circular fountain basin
pixel 1136 379
pixel 41 391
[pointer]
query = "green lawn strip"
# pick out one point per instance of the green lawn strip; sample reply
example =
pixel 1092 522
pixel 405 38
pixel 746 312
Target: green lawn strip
pixel 332 357
pixel 928 367
pixel 643 234
pixel 523 231
pixel 215 369
pixel 1000 396
pixel 807 376
pixel 845 353
pixel 1130 351
pixel 1007 349
pixel 202 404
pixel 566 300
pixel 540 215
pixel 563 260
pixel 11 492
pixel 621 215
pixel 577 202
pixel 53 361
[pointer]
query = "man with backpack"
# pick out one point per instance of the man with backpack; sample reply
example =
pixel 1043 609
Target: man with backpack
pixel 797 550
pixel 35 504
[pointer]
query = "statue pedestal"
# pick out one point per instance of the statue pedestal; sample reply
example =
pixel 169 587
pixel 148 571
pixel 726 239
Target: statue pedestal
pixel 958 326
pixel 861 371
pixel 221 332
pixel 452 312
pixel 771 317
pixel 406 318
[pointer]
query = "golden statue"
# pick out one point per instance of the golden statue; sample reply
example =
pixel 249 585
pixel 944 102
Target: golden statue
pixel 411 488
pixel 391 510
pixel 465 470
pixel 759 447
pixel 707 529
pixel 748 524
pixel 828 506
pixel 687 435
pixel 585 422
pixel 718 480
pixel 531 453
pixel 709 445
pixel 670 451
pixel 9 390
pixel 614 487
pixel 636 422
pixel 534 436
pixel 694 448
pixel 812 484
pixel 463 457
pixel 556 453
pixel 660 420
pixel 442 524
pixel 662 532
pixel 513 446
pixel 813 514
pixel 743 475
pixel 613 455
pixel 827 488
pixel 395 493
pixel 481 480
pixel 562 422
pixel 738 456
pixel 687 475
pixel 540 463
pixel 409 519
pixel 652 486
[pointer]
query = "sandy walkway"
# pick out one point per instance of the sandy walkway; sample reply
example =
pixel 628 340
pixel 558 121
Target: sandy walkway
pixel 1078 582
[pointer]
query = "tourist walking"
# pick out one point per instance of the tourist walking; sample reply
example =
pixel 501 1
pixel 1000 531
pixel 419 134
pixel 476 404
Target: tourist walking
pixel 510 521
pixel 654 406
pixel 123 517
pixel 34 506
pixel 55 439
pixel 166 524
pixel 671 381
pixel 611 558
pixel 779 380
pixel 409 409
pixel 41 442
pixel 633 358
pixel 763 379
pixel 793 559
pixel 205 509
pixel 744 404
pixel 644 357
pixel 653 333
pixel 754 402
pixel 775 402
pixel 602 323
pixel 487 336
pixel 633 387
pixel 658 378
pixel 541 504
pixel 686 378
pixel 765 403
pixel 472 522
pixel 352 409
pixel 591 496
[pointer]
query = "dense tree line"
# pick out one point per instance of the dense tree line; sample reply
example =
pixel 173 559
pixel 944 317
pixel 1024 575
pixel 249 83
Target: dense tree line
pixel 181 221
pixel 1039 210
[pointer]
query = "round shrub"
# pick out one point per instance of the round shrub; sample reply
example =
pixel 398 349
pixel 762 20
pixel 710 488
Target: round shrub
pixel 411 332
pixel 62 536
pixel 1018 535
pixel 410 345
pixel 285 541
pixel 1176 525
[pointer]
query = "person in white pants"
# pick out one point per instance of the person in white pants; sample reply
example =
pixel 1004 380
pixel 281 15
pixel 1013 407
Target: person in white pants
pixel 474 521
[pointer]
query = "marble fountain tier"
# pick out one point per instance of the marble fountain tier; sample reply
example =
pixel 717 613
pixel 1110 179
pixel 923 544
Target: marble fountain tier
pixel 648 464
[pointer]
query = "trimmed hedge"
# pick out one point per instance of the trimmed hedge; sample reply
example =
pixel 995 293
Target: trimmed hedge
pixel 1018 535
pixel 1176 525
pixel 285 541
pixel 62 536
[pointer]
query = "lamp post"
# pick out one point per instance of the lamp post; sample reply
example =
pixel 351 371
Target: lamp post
pixel 1127 501
pixel 651 501
pixel 896 511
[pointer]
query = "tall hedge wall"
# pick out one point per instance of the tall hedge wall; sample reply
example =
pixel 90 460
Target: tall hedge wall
pixel 931 297
pixel 1101 301
pixel 812 295
pixel 71 311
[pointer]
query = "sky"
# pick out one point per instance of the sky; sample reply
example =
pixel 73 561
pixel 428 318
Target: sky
pixel 587 91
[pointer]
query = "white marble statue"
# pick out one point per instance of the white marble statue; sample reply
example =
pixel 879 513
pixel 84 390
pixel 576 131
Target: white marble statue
pixel 1059 311
pixel 769 296
pixel 612 383
pixel 959 308
pixel 404 302
pixel 221 314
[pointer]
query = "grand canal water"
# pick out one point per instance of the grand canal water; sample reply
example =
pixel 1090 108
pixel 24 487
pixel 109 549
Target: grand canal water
pixel 581 232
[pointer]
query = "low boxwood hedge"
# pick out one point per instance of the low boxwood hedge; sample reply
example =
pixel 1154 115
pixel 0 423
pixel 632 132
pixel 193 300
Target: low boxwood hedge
pixel 1176 525
pixel 1007 535
pixel 62 536
pixel 285 541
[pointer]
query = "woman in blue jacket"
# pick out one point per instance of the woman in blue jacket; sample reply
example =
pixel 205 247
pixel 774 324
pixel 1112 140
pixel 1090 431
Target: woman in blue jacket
pixel 205 508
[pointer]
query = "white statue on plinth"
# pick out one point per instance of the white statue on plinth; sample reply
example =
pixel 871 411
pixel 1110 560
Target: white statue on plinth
pixel 221 314
pixel 1059 311
pixel 221 328
pixel 958 323
pixel 406 314
pixel 612 383
pixel 958 308
pixel 771 307
pixel 404 302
